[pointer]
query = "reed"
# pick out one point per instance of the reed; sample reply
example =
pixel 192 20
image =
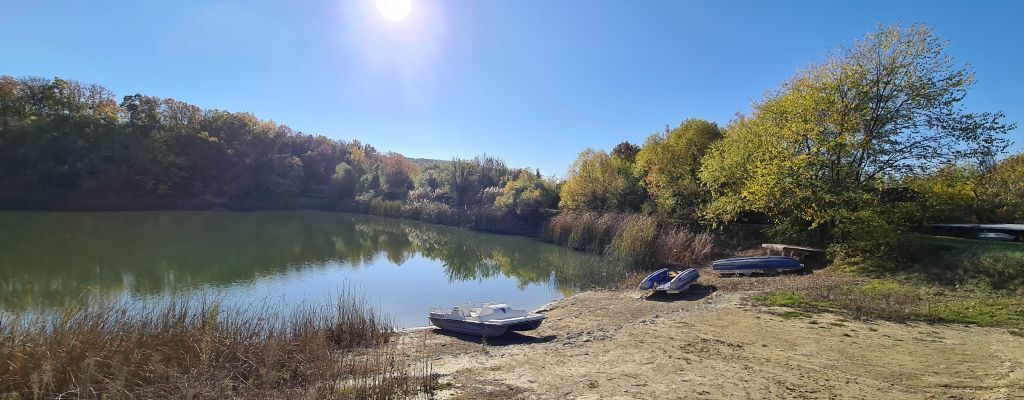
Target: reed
pixel 682 247
pixel 635 239
pixel 195 348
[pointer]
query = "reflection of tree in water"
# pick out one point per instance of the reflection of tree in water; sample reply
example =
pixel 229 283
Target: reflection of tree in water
pixel 52 258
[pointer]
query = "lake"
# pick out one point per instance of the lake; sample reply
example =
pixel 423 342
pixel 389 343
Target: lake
pixel 279 258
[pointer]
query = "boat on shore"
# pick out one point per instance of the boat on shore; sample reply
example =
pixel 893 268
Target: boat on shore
pixel 750 265
pixel 668 281
pixel 484 319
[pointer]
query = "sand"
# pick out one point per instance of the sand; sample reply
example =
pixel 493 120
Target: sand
pixel 716 345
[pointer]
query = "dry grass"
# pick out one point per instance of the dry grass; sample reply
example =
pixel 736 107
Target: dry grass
pixel 635 239
pixel 682 247
pixel 191 348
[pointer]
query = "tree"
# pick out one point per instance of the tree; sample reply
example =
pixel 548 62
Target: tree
pixel 461 179
pixel 526 195
pixel 626 152
pixel 343 182
pixel 634 195
pixel 399 175
pixel 594 183
pixel 816 153
pixel 1006 189
pixel 669 166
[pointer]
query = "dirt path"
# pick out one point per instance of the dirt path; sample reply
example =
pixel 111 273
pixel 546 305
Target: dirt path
pixel 612 345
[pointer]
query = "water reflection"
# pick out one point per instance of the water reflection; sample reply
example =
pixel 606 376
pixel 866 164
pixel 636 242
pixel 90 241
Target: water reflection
pixel 50 259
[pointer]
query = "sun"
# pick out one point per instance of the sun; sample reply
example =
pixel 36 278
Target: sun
pixel 395 10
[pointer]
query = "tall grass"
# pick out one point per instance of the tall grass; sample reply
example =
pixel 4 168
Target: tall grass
pixel 193 348
pixel 635 239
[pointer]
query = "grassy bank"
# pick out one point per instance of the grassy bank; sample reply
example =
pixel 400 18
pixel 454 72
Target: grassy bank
pixel 901 302
pixel 191 348
pixel 933 279
pixel 635 239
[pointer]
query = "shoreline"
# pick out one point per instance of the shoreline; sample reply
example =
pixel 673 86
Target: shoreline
pixel 715 344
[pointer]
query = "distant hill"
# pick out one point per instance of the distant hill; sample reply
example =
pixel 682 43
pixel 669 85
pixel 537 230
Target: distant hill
pixel 427 162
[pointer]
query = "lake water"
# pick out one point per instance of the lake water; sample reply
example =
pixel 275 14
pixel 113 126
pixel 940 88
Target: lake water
pixel 286 258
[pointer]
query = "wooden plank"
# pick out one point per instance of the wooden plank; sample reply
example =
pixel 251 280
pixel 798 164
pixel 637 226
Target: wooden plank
pixel 791 250
pixel 782 247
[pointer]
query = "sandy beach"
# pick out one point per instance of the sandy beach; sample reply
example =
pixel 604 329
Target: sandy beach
pixel 714 344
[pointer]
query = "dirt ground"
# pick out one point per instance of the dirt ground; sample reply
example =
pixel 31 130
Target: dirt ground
pixel 715 345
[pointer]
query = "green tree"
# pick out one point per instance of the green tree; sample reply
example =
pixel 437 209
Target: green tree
pixel 1005 188
pixel 594 183
pixel 817 153
pixel 343 182
pixel 634 195
pixel 526 195
pixel 669 165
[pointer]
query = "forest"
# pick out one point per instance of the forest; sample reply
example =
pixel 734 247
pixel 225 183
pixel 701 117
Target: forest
pixel 851 153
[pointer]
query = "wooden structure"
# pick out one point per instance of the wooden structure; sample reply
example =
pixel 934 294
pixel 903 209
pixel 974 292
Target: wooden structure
pixel 792 251
pixel 811 257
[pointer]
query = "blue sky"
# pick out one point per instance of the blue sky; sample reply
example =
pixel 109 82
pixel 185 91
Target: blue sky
pixel 533 82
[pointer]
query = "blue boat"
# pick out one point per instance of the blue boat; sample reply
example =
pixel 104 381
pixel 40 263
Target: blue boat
pixel 664 280
pixel 750 265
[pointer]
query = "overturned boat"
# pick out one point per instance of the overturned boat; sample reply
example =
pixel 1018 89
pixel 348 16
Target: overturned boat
pixel 484 319
pixel 751 265
pixel 665 280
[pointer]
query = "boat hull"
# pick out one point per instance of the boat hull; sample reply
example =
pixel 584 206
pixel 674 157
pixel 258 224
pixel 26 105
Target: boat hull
pixel 654 279
pixel 680 283
pixel 661 281
pixel 526 325
pixel 750 265
pixel 470 328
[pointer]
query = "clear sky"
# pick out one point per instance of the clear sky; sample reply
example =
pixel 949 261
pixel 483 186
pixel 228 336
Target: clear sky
pixel 531 81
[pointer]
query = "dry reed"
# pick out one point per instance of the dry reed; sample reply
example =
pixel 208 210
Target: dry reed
pixel 635 239
pixel 194 348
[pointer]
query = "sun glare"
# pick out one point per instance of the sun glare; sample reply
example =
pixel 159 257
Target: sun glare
pixel 395 10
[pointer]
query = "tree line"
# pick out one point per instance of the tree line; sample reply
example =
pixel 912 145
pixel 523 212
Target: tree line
pixel 851 151
pixel 64 144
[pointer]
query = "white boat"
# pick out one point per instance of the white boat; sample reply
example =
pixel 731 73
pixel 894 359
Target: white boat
pixel 484 319
pixel 1000 236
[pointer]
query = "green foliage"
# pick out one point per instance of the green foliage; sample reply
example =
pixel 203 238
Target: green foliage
pixel 818 153
pixel 1006 189
pixel 626 152
pixel 343 182
pixel 594 183
pixel 950 194
pixel 668 165
pixel 527 194
pixel 68 144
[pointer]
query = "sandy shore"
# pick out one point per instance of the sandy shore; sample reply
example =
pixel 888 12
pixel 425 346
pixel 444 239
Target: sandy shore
pixel 715 345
